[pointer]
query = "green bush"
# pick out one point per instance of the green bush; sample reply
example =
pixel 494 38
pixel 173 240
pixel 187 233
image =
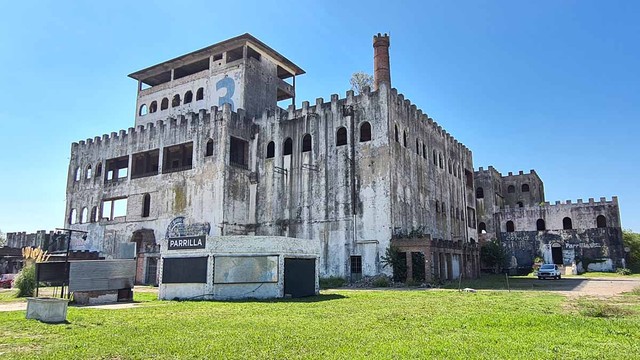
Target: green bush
pixel 26 281
pixel 602 310
pixel 332 282
pixel 412 283
pixel 397 261
pixel 632 241
pixel 381 282
pixel 623 271
pixel 494 256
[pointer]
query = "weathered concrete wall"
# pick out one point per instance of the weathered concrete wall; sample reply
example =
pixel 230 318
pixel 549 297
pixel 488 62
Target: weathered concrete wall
pixel 534 196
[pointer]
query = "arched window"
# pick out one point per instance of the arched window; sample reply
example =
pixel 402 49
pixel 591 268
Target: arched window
pixel 271 150
pixel 479 193
pixel 566 223
pixel 83 215
pixel 417 147
pixel 450 167
pixel 435 158
pixel 176 101
pixel 87 173
pixel 540 225
pixel 146 205
pixel 99 169
pixel 288 147
pixel 510 226
pixel 306 143
pixel 209 149
pixel 72 216
pixel 365 132
pixel 525 187
pixel 404 137
pixel 396 133
pixel 94 214
pixel 200 94
pixel 511 189
pixel 153 107
pixel 482 228
pixel 143 110
pixel 424 151
pixel 188 96
pixel 77 176
pixel 437 206
pixel 164 104
pixel 601 221
pixel 341 136
pixel 520 204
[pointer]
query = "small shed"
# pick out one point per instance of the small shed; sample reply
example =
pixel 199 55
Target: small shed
pixel 238 267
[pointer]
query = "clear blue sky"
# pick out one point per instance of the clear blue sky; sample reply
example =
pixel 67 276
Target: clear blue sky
pixel 547 85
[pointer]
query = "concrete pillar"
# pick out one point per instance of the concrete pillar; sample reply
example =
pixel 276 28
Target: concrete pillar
pixel 409 265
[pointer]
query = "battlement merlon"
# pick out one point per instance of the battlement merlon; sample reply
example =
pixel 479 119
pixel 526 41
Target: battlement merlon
pixel 165 72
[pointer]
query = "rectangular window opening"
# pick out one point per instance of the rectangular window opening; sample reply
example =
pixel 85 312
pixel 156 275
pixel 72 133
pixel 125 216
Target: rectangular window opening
pixel 251 53
pixel 234 54
pixel 190 69
pixel 177 158
pixel 114 208
pixel 356 268
pixel 238 152
pixel 117 169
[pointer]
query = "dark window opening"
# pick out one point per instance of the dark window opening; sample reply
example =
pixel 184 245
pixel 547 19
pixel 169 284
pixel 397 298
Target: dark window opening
pixel 450 167
pixel 601 221
pixel 540 225
pixel 146 205
pixel 164 104
pixel 479 193
pixel 143 110
pixel 145 164
pixel 468 175
pixel 435 158
pixel 217 57
pixel 482 228
pixel 238 152
pixel 396 133
pixel 525 187
pixel 471 217
pixel 209 148
pixel 437 206
pixel 404 139
pixel 520 204
pixel 188 97
pixel 234 54
pixel 566 223
pixel 341 136
pixel 99 169
pixel 356 268
pixel 190 69
pixel 424 151
pixel 271 150
pixel 176 101
pixel 306 143
pixel 510 226
pixel 365 131
pixel 511 189
pixel 440 161
pixel 251 53
pixel 117 169
pixel 94 214
pixel 556 254
pixel 158 79
pixel 417 147
pixel 177 158
pixel 153 107
pixel 288 147
pixel 200 94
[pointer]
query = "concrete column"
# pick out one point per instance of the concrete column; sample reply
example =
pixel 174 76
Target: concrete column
pixel 409 260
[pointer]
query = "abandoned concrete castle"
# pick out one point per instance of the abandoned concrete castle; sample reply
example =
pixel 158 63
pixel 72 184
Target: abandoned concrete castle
pixel 212 151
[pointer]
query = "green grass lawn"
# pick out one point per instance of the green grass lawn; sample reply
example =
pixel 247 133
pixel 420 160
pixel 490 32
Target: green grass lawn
pixel 339 324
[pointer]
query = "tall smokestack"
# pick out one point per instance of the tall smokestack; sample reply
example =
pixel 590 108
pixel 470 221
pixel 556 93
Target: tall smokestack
pixel 381 68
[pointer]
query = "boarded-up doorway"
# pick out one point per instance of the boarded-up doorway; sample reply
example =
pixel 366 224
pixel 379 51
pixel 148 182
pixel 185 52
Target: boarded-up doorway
pixel 556 254
pixel 299 277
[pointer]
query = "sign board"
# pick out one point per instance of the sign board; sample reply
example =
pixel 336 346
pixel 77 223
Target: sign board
pixel 187 242
pixel 245 269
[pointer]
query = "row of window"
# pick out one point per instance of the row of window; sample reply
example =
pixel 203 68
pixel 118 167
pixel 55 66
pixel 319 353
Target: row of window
pixel 438 159
pixel 341 139
pixel 110 209
pixel 175 102
pixel 567 224
pixel 511 189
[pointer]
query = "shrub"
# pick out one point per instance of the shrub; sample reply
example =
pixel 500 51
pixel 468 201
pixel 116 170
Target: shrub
pixel 381 282
pixel 494 256
pixel 602 310
pixel 623 271
pixel 331 282
pixel 397 261
pixel 26 281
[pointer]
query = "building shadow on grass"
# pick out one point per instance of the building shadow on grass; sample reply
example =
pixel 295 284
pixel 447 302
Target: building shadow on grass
pixel 307 299
pixel 499 282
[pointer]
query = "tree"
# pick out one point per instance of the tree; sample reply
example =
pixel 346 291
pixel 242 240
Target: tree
pixel 3 239
pixel 359 80
pixel 493 255
pixel 632 241
pixel 397 261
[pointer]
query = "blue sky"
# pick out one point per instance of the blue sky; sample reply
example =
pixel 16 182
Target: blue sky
pixel 547 85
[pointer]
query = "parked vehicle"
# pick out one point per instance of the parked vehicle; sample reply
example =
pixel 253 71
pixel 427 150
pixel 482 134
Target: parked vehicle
pixel 6 280
pixel 549 271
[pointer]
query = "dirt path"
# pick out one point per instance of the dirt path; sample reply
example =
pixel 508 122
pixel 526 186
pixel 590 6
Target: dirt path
pixel 602 287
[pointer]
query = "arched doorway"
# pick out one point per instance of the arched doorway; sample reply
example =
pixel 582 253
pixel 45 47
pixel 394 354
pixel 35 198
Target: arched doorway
pixel 147 254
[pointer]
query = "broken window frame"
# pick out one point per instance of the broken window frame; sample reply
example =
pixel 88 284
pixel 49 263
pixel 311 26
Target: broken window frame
pixel 177 157
pixel 145 164
pixel 117 169
pixel 238 152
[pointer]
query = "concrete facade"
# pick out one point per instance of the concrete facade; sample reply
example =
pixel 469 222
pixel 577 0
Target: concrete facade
pixel 512 209
pixel 351 173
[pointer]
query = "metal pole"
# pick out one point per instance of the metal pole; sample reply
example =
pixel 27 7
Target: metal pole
pixel 66 266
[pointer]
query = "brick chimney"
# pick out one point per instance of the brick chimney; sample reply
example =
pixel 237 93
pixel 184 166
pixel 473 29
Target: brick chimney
pixel 381 68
